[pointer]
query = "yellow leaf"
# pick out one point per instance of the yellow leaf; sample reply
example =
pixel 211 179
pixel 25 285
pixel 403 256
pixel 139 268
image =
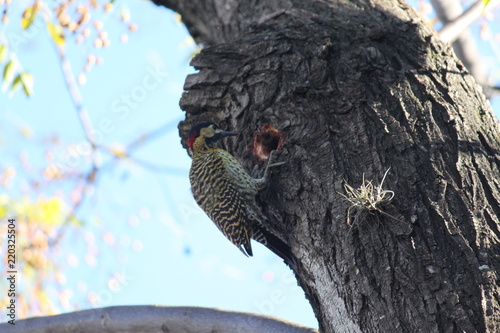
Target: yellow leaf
pixel 27 80
pixel 118 152
pixel 29 16
pixel 76 221
pixel 26 131
pixel 4 204
pixel 3 52
pixel 8 72
pixel 3 212
pixel 57 33
pixel 22 207
pixel 50 211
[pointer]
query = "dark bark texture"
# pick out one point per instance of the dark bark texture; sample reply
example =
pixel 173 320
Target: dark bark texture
pixel 357 87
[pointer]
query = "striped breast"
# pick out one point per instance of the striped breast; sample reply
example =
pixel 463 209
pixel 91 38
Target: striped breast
pixel 220 196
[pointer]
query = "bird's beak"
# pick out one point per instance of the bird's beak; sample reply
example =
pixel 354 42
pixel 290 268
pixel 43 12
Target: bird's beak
pixel 227 133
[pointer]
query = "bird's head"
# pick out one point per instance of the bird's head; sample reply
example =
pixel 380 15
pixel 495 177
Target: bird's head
pixel 205 135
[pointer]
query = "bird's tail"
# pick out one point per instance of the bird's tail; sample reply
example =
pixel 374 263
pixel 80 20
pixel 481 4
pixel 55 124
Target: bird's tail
pixel 273 243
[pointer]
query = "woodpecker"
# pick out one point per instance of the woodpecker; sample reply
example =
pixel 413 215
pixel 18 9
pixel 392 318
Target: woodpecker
pixel 226 192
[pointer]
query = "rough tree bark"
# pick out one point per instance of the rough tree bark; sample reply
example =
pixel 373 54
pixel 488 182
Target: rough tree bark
pixel 358 87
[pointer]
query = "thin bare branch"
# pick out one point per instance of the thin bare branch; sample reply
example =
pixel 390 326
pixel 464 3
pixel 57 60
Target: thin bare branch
pixel 151 135
pixel 90 179
pixel 159 168
pixel 88 129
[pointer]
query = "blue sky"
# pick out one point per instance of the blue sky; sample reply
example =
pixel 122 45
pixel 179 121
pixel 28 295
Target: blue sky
pixel 144 241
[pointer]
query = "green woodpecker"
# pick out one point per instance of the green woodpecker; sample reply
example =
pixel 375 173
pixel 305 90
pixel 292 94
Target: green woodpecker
pixel 226 192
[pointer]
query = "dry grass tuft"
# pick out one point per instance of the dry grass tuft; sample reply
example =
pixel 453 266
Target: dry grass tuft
pixel 367 197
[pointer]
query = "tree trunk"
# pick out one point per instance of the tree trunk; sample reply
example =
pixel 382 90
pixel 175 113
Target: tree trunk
pixel 357 88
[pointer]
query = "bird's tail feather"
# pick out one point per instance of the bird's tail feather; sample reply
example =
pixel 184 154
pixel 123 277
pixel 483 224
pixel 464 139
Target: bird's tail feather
pixel 273 243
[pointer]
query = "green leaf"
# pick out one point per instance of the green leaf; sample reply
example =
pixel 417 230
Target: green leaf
pixel 3 52
pixel 16 83
pixel 73 220
pixel 28 17
pixel 57 34
pixel 8 73
pixel 25 80
pixel 28 81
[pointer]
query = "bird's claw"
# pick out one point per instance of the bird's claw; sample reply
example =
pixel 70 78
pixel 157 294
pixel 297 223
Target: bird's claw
pixel 270 159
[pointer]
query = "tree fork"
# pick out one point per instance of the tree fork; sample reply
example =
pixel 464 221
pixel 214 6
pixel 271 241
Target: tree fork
pixel 358 87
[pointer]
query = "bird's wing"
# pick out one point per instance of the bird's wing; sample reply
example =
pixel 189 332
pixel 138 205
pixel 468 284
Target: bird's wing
pixel 229 215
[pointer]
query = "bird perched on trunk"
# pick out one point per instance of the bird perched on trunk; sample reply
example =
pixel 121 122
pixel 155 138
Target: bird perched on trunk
pixel 226 192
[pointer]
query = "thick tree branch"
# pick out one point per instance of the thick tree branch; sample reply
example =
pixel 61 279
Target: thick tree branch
pixel 137 319
pixel 453 29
